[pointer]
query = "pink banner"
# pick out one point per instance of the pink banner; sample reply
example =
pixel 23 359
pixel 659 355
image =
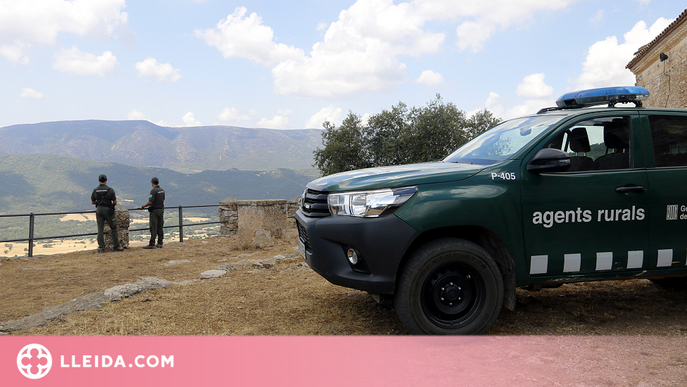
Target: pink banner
pixel 332 361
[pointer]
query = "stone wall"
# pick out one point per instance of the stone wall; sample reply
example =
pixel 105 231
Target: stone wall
pixel 261 222
pixel 122 219
pixel 291 208
pixel 229 216
pixel 257 223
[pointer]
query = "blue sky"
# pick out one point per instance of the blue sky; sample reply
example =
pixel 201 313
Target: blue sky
pixel 293 64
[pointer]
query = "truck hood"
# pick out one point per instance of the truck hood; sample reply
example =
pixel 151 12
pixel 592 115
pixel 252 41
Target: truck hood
pixel 395 176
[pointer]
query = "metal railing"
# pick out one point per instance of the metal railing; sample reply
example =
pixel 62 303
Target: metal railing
pixel 32 220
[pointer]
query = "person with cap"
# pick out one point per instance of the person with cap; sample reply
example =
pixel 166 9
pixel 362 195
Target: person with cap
pixel 156 207
pixel 105 200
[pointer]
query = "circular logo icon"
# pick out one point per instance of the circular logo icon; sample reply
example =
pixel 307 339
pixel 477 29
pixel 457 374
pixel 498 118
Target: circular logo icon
pixel 34 361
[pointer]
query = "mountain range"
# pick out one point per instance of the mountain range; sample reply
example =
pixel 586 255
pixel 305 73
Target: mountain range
pixel 188 149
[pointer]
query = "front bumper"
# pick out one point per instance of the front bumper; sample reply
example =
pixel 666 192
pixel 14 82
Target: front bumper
pixel 380 242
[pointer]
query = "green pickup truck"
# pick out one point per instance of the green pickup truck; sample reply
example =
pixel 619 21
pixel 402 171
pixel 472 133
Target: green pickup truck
pixel 573 193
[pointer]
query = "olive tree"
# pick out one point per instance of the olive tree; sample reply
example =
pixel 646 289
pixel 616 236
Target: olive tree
pixel 398 136
pixel 435 130
pixel 479 123
pixel 344 147
pixel 386 136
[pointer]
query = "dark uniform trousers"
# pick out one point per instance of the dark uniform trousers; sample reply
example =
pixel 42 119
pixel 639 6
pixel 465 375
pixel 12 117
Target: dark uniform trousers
pixel 157 222
pixel 104 214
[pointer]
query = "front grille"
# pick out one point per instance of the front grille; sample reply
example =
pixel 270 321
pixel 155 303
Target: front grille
pixel 314 204
pixel 303 236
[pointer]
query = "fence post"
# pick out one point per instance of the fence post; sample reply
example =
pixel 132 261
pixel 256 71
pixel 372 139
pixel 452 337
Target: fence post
pixel 31 220
pixel 181 225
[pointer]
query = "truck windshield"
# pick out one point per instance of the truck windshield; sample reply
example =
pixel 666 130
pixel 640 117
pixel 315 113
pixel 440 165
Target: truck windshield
pixel 502 141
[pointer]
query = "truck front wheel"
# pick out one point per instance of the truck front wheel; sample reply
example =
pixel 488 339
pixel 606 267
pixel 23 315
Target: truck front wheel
pixel 450 286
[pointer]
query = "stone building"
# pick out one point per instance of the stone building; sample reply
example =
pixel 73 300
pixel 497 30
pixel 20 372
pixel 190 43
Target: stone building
pixel 661 66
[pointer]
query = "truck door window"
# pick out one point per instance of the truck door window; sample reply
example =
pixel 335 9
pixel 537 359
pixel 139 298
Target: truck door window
pixel 596 144
pixel 669 135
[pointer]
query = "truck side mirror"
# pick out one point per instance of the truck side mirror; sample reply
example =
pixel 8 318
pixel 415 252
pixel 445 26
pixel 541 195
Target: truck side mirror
pixel 549 160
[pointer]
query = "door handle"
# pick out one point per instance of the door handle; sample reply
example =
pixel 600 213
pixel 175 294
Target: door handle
pixel 636 189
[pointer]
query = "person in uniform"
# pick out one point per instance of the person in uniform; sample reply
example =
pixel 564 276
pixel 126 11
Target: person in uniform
pixel 156 207
pixel 104 199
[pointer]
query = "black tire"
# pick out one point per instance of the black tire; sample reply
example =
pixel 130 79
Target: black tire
pixel 671 282
pixel 449 287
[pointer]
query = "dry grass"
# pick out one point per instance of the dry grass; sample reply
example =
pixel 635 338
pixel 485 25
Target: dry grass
pixel 638 328
pixel 290 299
pixel 287 298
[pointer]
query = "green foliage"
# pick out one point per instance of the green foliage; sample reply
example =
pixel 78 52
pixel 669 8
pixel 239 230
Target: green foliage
pixel 398 136
pixel 479 123
pixel 436 130
pixel 387 139
pixel 344 147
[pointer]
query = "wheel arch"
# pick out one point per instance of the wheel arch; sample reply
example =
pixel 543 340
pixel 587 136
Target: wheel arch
pixel 482 237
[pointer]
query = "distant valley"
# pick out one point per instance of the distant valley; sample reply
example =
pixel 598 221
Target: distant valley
pixel 142 143
pixel 50 183
pixel 53 167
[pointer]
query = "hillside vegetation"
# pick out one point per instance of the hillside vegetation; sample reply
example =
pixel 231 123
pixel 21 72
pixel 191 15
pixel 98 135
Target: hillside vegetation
pixel 142 143
pixel 49 183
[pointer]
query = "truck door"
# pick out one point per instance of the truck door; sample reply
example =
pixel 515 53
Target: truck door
pixel 668 181
pixel 593 219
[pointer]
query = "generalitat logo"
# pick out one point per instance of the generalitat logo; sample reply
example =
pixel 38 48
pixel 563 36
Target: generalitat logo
pixel 34 361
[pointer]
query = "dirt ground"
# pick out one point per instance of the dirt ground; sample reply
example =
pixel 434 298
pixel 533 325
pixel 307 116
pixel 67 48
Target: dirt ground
pixel 288 298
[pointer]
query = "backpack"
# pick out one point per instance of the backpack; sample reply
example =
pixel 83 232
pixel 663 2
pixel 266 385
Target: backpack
pixel 105 202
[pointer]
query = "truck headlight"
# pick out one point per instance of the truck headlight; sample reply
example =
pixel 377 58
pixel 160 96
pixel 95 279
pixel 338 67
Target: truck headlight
pixel 369 204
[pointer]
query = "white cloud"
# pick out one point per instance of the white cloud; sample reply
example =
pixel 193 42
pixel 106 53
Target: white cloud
pixel 533 87
pixel 363 50
pixel 495 105
pixel 150 68
pixel 606 60
pixel 537 93
pixel 31 93
pixel 598 17
pixel 604 66
pixel 190 120
pixel 135 115
pixel 74 61
pixel 359 52
pixel 365 119
pixel 241 36
pixel 28 23
pixel 430 78
pixel 480 19
pixel 329 113
pixel 492 100
pixel 232 115
pixel 16 53
pixel 165 124
pixel 474 35
pixel 279 121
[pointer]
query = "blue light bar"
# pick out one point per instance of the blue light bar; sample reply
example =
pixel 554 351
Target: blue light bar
pixel 604 95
